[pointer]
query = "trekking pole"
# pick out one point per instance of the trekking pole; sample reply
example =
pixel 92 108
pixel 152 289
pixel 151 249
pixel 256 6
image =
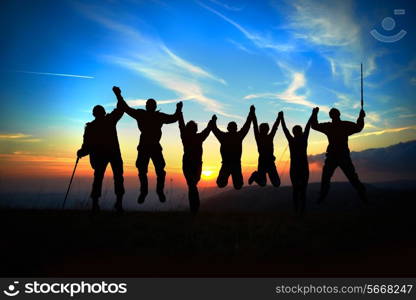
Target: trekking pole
pixel 362 93
pixel 69 186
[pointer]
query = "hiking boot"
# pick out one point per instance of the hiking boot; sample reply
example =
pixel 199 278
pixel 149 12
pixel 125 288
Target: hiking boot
pixel 162 197
pixel 141 198
pixel 252 178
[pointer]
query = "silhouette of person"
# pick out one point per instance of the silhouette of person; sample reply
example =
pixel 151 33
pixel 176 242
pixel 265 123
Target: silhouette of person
pixel 338 153
pixel 150 122
pixel 299 167
pixel 266 164
pixel 192 158
pixel 101 144
pixel 231 150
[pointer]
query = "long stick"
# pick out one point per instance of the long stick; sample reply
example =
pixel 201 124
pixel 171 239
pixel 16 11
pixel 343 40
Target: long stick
pixel 69 186
pixel 362 92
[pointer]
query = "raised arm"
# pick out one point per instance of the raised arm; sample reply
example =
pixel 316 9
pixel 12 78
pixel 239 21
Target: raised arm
pixel 284 127
pixel 255 126
pixel 314 121
pixel 355 127
pixel 122 105
pixel 218 133
pixel 168 119
pixel 205 133
pixel 246 127
pixel 308 127
pixel 181 123
pixel 360 120
pixel 275 126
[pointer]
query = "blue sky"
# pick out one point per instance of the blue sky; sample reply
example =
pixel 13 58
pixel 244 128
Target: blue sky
pixel 60 58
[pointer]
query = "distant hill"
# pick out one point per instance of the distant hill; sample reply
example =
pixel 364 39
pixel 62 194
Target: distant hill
pixel 395 159
pixel 342 197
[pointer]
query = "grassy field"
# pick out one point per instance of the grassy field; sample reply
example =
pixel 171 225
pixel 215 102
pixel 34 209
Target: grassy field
pixel 374 241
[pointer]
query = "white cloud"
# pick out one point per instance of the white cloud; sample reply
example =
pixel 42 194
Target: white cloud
pixel 325 23
pixel 335 33
pixel 345 101
pixel 18 137
pixel 56 74
pixel 177 82
pixel 291 93
pixel 227 6
pixel 384 131
pixel 260 40
pixel 239 46
pixel 181 63
pixel 151 58
pixel 13 136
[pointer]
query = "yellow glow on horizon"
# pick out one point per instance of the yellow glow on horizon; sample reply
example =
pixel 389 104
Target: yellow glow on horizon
pixel 207 174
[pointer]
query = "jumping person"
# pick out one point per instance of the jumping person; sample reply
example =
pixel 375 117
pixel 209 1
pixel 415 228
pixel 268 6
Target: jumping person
pixel 192 157
pixel 338 153
pixel 150 122
pixel 299 168
pixel 101 144
pixel 266 164
pixel 231 150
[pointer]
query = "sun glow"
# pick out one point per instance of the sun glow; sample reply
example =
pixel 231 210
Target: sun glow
pixel 207 173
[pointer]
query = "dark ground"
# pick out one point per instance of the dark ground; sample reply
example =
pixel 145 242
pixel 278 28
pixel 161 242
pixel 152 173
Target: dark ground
pixel 377 241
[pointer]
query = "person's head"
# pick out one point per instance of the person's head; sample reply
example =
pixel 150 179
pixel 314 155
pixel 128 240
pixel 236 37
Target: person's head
pixel 98 111
pixel 151 105
pixel 264 128
pixel 191 127
pixel 334 114
pixel 232 127
pixel 297 131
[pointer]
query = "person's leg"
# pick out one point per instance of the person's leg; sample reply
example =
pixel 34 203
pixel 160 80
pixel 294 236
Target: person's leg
pixel 328 170
pixel 142 164
pixel 193 196
pixel 192 173
pixel 260 175
pixel 253 177
pixel 302 199
pixel 237 176
pixel 159 163
pixel 348 168
pixel 295 198
pixel 99 165
pixel 117 167
pixel 222 179
pixel 273 175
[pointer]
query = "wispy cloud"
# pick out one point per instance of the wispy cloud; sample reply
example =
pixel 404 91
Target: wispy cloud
pixel 181 63
pixel 345 100
pixel 151 58
pixel 405 116
pixel 323 23
pixel 18 137
pixel 334 32
pixel 227 6
pixel 180 84
pixel 239 46
pixel 13 136
pixel 384 131
pixel 260 40
pixel 291 93
pixel 57 74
